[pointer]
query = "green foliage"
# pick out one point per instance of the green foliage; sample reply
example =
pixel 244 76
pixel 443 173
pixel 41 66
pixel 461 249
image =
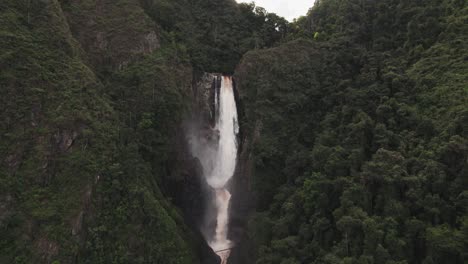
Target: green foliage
pixel 216 33
pixel 82 155
pixel 134 223
pixel 359 128
pixel 111 33
pixel 359 147
pixel 48 98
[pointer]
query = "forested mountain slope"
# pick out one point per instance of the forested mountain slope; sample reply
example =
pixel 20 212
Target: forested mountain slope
pixel 360 135
pixel 90 103
pixel 356 130
pixel 93 95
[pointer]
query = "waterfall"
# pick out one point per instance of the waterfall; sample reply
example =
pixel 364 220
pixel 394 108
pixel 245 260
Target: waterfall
pixel 224 165
pixel 224 162
pixel 218 155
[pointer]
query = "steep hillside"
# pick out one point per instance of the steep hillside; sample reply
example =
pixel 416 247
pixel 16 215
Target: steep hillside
pixel 354 133
pixel 82 155
pixel 358 136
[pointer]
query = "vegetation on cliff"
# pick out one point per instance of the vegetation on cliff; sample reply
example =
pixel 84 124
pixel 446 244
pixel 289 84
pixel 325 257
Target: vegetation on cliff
pixel 85 136
pixel 217 33
pixel 358 128
pixel 361 135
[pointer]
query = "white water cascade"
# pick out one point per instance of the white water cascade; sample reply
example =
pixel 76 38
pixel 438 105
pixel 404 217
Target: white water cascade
pixel 219 162
pixel 224 165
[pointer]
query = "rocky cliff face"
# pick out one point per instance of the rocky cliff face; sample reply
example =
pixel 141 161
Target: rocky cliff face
pixel 243 197
pixel 112 33
pixel 204 101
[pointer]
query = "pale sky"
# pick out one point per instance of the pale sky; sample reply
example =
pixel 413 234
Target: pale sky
pixel 288 9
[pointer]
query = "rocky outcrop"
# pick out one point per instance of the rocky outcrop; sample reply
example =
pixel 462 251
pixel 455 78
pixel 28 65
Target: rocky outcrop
pixel 48 249
pixel 64 139
pixel 204 98
pixel 112 33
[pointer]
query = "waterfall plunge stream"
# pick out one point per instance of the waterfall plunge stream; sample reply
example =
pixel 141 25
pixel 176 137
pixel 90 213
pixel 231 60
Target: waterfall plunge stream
pixel 219 162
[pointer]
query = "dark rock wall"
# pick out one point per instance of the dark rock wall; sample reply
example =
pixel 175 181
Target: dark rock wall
pixel 243 197
pixel 112 33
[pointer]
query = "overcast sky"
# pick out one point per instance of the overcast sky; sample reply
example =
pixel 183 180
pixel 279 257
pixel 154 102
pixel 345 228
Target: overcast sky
pixel 288 9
